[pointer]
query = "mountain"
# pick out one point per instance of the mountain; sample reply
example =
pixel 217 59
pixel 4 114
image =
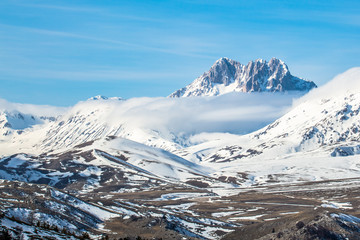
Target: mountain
pixel 17 119
pixel 100 97
pixel 135 168
pixel 10 121
pixel 326 119
pixel 227 75
pixel 308 143
pixel 118 161
pixel 13 123
pixel 155 122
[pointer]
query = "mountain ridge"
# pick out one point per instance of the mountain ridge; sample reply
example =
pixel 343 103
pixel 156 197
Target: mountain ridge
pixel 227 75
pixel 108 165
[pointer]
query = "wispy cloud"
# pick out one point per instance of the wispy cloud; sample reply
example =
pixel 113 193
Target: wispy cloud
pixel 93 10
pixel 312 16
pixel 61 8
pixel 234 112
pixel 88 75
pixel 127 45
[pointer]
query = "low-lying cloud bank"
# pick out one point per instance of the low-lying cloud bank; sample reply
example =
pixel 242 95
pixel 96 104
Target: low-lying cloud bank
pixel 237 113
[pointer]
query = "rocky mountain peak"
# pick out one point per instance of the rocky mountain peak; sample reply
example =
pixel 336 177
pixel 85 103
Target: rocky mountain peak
pixel 224 62
pixel 223 71
pixel 227 75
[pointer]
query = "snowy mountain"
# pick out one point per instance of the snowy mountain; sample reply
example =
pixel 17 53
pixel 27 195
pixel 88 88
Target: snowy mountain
pixel 112 160
pixel 14 123
pixel 178 166
pixel 15 120
pixel 155 122
pixel 308 143
pixel 322 124
pixel 100 97
pixel 327 118
pixel 227 75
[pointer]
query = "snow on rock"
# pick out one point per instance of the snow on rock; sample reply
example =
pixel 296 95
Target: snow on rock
pixel 320 123
pixel 157 122
pixel 89 208
pixel 29 216
pixel 100 97
pixel 16 161
pixel 195 228
pixel 183 195
pixel 337 205
pixel 325 122
pixel 296 147
pixel 227 75
pixel 16 116
pixel 345 218
pixel 346 151
pixel 17 121
pixel 325 117
pixel 24 231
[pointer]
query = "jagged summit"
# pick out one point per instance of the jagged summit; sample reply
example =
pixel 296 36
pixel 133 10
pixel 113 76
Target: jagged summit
pixel 227 75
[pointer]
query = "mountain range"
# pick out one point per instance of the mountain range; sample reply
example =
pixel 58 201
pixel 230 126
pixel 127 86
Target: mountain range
pixel 177 167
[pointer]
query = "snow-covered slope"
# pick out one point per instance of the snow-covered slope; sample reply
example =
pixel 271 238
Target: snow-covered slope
pixel 227 75
pixel 37 211
pixel 326 118
pixel 91 120
pixel 311 142
pixel 105 155
pixel 17 119
pixel 98 164
pixel 165 123
pixel 323 124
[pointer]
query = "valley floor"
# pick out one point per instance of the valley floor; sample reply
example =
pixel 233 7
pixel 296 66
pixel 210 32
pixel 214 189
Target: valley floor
pixel 309 210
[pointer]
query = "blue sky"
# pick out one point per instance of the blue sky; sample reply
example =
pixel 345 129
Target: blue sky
pixel 61 52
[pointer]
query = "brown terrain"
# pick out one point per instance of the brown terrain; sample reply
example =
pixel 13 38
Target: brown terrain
pixel 294 211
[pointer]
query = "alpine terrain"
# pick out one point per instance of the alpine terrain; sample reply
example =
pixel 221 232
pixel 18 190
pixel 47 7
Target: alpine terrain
pixel 227 75
pixel 179 168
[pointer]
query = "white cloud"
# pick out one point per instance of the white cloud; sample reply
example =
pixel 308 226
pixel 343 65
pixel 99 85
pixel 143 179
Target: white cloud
pixel 234 112
pixel 114 42
pixel 90 75
pixel 38 110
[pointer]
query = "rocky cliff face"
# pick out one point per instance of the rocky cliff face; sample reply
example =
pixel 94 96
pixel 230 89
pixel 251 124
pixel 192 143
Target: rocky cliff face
pixel 227 75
